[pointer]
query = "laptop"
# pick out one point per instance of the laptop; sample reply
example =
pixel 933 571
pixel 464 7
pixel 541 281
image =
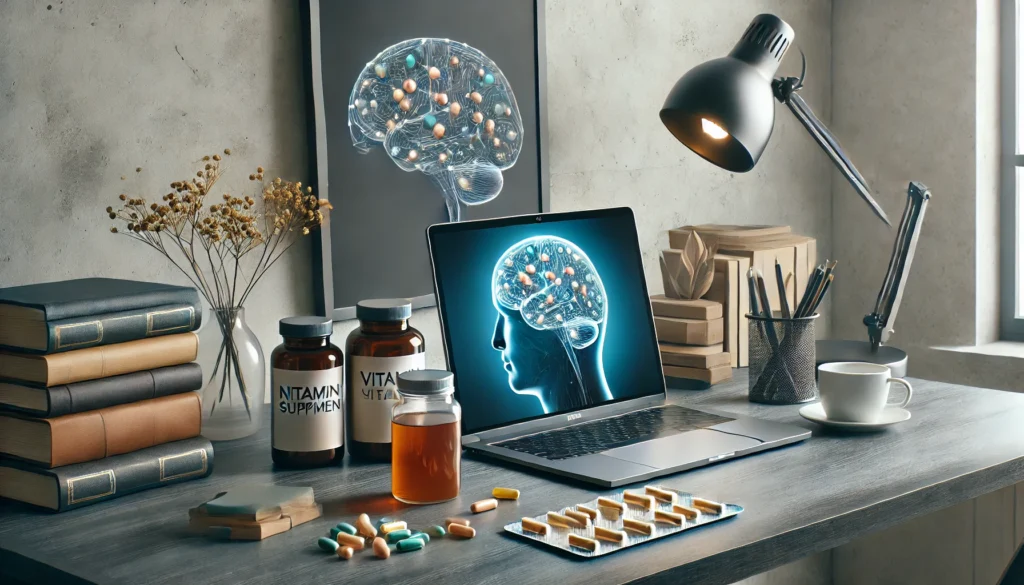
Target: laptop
pixel 548 329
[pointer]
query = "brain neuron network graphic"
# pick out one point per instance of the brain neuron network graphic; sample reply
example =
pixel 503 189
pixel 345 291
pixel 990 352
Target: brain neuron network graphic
pixel 442 108
pixel 554 286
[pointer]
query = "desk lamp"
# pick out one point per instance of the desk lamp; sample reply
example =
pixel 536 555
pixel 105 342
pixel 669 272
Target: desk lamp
pixel 724 111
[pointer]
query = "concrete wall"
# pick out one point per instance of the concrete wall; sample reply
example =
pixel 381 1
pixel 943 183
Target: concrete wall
pixel 93 90
pixel 915 97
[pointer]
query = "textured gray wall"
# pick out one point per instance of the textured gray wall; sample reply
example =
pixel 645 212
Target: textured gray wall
pixel 94 89
pixel 915 97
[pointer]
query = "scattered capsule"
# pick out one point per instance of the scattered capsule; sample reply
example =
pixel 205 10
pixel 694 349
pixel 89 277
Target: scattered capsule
pixel 366 528
pixel 352 540
pixel 449 521
pixel 422 536
pixel 327 544
pixel 483 505
pixel 437 531
pixel 461 531
pixel 409 544
pixel 509 493
pixel 345 552
pixel 334 532
pixel 380 548
pixel 393 526
pixel 346 528
pixel 397 535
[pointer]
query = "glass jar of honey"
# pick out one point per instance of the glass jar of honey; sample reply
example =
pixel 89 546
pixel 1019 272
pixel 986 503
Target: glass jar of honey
pixel 426 438
pixel 382 347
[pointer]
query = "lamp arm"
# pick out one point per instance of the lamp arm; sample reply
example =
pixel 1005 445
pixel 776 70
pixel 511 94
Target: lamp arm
pixel 785 92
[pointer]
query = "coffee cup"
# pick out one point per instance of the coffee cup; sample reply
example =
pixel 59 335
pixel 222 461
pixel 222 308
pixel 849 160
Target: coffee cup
pixel 857 391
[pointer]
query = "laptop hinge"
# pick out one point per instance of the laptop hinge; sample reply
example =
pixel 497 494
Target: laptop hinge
pixel 470 439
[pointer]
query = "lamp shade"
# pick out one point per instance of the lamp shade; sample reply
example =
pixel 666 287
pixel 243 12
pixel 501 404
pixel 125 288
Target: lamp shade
pixel 724 109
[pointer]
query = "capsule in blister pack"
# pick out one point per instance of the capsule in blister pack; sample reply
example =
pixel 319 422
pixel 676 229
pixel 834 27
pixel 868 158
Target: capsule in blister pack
pixel 622 520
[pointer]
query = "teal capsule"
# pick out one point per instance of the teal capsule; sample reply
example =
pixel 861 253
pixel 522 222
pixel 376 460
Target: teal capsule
pixel 437 531
pixel 488 79
pixel 334 533
pixel 410 60
pixel 429 121
pixel 399 535
pixel 422 536
pixel 409 544
pixel 346 528
pixel 327 544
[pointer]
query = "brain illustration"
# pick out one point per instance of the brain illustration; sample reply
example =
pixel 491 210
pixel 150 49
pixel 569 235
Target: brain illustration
pixel 442 108
pixel 554 286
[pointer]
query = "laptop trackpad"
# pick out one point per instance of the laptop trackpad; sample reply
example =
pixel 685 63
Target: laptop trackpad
pixel 676 450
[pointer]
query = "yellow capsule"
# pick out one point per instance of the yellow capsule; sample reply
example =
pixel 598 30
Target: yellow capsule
pixel 393 526
pixel 507 493
pixel 351 540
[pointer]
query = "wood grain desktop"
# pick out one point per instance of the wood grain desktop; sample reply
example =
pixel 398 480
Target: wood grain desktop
pixel 961 443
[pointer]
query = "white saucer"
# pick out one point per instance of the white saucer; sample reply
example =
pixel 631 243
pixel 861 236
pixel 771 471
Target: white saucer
pixel 890 415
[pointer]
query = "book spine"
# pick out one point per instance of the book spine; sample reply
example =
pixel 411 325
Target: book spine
pixel 127 388
pixel 172 295
pixel 121 358
pixel 82 332
pixel 96 434
pixel 97 481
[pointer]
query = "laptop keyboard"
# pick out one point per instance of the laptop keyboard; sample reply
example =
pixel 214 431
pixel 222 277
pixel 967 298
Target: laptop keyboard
pixel 608 433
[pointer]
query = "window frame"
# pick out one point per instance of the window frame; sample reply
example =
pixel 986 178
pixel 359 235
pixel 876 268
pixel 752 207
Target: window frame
pixel 1011 316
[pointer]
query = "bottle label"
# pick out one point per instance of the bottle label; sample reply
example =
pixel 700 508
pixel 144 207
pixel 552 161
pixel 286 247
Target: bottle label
pixel 307 409
pixel 375 392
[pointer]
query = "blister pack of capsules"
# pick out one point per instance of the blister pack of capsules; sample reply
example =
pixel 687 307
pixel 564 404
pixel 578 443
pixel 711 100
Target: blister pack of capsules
pixel 631 517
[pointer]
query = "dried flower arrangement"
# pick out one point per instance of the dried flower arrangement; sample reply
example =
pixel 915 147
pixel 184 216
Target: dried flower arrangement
pixel 207 241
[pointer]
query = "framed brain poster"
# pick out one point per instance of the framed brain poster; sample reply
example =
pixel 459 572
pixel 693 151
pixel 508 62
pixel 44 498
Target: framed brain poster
pixel 421 112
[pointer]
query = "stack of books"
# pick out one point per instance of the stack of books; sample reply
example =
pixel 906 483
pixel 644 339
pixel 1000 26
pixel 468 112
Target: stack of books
pixel 98 391
pixel 254 512
pixel 739 249
pixel 690 336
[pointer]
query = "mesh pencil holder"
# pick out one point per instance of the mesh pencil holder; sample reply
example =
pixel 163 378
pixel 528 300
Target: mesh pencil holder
pixel 781 360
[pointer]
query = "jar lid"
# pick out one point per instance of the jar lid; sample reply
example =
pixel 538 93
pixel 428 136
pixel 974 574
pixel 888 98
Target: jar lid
pixel 305 326
pixel 425 382
pixel 383 310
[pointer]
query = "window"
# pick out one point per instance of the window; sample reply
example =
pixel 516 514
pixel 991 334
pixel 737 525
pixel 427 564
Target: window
pixel 1012 172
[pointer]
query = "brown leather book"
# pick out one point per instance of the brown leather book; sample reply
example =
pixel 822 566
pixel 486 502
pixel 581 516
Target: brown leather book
pixel 88 436
pixel 100 362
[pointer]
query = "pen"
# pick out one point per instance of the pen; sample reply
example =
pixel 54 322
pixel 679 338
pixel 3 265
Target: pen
pixel 754 310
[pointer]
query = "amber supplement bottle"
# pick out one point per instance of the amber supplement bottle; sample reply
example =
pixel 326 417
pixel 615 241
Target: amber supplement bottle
pixel 307 415
pixel 427 438
pixel 381 348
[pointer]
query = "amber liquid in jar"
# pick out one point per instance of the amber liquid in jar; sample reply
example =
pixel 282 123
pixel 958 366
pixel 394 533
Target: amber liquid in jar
pixel 376 339
pixel 306 354
pixel 427 452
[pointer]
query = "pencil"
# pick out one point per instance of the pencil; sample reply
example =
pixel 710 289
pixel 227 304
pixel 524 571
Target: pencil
pixel 781 282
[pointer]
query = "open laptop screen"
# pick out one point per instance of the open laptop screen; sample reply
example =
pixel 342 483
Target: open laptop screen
pixel 544 315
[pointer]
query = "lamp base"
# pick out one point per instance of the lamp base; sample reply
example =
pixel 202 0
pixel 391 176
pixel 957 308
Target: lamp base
pixel 838 350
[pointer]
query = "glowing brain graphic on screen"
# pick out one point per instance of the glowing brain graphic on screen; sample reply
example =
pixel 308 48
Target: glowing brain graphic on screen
pixel 550 297
pixel 442 108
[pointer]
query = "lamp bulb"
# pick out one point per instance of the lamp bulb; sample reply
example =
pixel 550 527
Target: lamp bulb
pixel 713 130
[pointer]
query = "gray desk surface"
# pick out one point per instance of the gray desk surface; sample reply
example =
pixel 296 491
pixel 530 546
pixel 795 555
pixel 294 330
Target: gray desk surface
pixel 961 443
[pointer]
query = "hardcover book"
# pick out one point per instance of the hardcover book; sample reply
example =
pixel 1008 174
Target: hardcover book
pixel 82 484
pixel 36 400
pixel 73 314
pixel 99 362
pixel 88 436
